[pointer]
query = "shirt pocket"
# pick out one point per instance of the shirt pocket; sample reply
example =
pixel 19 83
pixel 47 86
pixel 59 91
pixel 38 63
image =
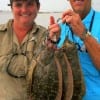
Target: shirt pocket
pixel 4 61
pixel 5 56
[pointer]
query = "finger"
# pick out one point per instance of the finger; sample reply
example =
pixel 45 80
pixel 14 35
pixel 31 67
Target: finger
pixel 67 13
pixel 67 19
pixel 52 20
pixel 54 31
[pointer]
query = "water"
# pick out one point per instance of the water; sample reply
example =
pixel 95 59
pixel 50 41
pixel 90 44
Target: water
pixel 42 18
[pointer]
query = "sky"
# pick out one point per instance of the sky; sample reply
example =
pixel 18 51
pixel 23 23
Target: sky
pixel 50 5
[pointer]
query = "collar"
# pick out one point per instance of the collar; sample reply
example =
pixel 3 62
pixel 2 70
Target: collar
pixel 8 26
pixel 87 20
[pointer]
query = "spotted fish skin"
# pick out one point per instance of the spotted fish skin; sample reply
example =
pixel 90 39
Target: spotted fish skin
pixel 79 85
pixel 50 80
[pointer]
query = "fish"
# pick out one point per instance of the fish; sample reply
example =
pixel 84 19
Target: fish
pixel 56 74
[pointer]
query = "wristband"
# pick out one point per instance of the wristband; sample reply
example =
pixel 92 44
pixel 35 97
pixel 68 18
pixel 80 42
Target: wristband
pixel 85 35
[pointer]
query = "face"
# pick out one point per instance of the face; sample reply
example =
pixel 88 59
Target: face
pixel 81 6
pixel 24 12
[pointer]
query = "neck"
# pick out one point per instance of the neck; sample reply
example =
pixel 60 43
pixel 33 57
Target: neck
pixel 84 14
pixel 21 31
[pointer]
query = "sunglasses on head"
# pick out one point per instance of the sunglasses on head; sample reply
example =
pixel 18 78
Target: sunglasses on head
pixel 19 3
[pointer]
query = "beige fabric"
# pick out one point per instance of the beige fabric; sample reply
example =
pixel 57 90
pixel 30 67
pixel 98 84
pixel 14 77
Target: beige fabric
pixel 15 88
pixel 12 88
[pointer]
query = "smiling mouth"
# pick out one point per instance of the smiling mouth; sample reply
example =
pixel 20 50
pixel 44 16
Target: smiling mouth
pixel 25 15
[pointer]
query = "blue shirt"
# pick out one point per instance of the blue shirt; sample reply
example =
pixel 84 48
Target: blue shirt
pixel 91 74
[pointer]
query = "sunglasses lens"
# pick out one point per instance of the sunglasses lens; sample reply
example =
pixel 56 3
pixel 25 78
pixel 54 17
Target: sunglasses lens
pixel 19 4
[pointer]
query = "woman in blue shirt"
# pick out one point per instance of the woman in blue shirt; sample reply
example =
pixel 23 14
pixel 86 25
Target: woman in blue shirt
pixel 81 26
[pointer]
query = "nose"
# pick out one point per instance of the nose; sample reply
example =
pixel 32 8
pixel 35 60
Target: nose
pixel 24 7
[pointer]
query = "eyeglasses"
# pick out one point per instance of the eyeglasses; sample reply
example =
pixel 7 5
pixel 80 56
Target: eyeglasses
pixel 19 4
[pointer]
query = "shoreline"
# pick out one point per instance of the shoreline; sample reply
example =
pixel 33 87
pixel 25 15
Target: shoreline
pixel 42 17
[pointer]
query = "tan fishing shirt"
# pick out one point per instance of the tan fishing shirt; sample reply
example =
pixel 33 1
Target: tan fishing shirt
pixel 15 60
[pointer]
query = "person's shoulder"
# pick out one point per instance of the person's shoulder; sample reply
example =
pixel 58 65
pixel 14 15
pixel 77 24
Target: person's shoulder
pixel 41 27
pixel 3 31
pixel 97 13
pixel 3 27
pixel 41 30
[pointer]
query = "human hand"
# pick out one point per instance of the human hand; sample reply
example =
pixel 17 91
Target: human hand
pixel 74 21
pixel 54 30
pixel 53 34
